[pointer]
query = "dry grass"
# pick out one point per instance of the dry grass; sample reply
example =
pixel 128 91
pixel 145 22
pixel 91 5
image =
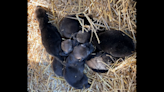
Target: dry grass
pixel 115 14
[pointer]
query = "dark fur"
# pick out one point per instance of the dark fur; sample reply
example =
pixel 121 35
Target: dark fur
pixel 68 26
pixel 115 43
pixel 83 37
pixel 75 66
pixel 83 50
pixel 80 53
pixel 57 66
pixel 51 39
pixel 100 71
pixel 67 46
pixel 74 75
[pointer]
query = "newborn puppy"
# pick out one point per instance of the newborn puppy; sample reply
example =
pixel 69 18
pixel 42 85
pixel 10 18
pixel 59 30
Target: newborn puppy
pixel 68 26
pixel 57 66
pixel 95 62
pixel 73 74
pixel 51 39
pixel 115 43
pixel 67 46
pixel 83 50
pixel 82 37
pixel 80 53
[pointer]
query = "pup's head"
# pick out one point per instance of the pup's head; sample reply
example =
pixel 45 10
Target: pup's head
pixel 40 14
pixel 83 50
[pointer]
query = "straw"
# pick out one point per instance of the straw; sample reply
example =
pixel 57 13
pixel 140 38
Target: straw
pixel 109 14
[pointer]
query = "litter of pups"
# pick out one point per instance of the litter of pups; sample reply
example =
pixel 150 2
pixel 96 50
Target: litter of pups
pixel 76 49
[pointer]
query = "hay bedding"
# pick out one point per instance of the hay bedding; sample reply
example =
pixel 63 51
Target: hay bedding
pixel 115 14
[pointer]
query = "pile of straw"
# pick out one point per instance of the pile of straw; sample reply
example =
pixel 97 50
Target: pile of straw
pixel 115 14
